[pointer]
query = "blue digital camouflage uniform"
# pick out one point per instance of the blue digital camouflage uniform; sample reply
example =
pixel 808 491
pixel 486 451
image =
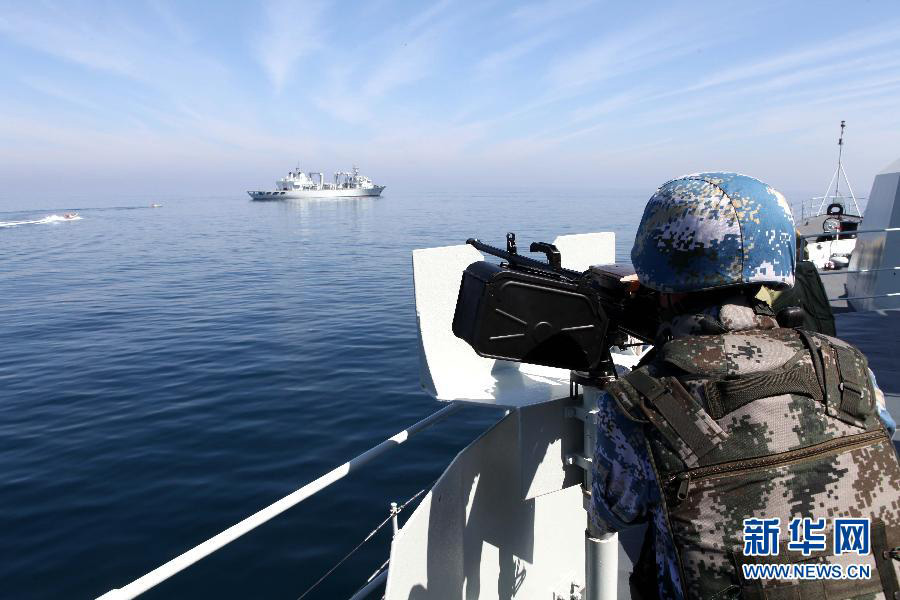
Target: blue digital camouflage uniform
pixel 705 232
pixel 624 489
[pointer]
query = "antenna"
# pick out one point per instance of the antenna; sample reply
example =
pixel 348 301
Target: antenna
pixel 836 178
pixel 837 183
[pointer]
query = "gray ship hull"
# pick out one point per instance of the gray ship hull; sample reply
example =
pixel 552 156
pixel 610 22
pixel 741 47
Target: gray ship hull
pixel 339 193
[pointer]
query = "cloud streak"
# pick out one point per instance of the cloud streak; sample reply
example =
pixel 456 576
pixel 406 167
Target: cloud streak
pixel 351 90
pixel 291 32
pixel 491 88
pixel 85 44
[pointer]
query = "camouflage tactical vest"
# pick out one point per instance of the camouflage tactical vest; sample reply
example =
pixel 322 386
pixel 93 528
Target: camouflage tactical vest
pixel 762 424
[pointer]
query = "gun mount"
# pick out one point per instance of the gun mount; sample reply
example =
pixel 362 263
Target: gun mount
pixel 537 312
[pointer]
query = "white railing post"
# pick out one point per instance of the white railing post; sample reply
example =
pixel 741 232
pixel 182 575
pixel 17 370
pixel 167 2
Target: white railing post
pixel 601 551
pixel 395 523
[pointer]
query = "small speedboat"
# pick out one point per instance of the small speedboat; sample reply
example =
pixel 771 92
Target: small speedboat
pixel 70 215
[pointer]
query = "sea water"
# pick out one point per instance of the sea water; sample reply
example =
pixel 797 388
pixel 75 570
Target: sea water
pixel 165 372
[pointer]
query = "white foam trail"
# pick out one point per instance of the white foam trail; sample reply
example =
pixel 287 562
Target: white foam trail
pixel 45 220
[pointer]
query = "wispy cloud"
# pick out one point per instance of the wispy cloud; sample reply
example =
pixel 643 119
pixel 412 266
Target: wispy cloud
pixel 533 25
pixel 820 53
pixel 291 31
pixel 90 45
pixel 351 89
pixel 499 59
pixel 648 44
pixel 405 64
pixel 774 90
pixel 490 88
pixel 173 23
pixel 536 14
pixel 50 88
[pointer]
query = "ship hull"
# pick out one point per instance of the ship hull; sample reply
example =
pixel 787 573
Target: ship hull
pixel 342 193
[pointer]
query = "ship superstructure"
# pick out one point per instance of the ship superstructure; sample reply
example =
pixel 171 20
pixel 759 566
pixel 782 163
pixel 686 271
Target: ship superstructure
pixel 299 184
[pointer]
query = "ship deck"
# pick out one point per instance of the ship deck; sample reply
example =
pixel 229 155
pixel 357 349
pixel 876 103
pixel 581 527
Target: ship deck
pixel 835 283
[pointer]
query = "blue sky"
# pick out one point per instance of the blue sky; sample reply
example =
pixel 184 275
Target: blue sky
pixel 224 96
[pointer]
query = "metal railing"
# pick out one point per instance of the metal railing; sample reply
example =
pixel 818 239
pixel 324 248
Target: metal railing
pixel 815 206
pixel 836 235
pixel 181 562
pixel 849 271
pixel 371 586
pixel 888 295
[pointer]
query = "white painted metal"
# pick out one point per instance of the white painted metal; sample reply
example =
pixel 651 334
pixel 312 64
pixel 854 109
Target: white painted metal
pixel 890 295
pixel 875 283
pixel 395 522
pixel 821 253
pixel 601 554
pixel 827 190
pixel 589 398
pixel 179 563
pixel 449 369
pixel 316 193
pixel 547 435
pixel 846 272
pixel 601 557
pixel 582 250
pixel 838 234
pixel 297 184
pixel 473 536
pixel 836 195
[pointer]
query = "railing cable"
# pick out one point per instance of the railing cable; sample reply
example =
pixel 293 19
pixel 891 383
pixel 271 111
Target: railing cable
pixel 850 232
pixel 850 271
pixel 890 295
pixel 181 562
pixel 360 545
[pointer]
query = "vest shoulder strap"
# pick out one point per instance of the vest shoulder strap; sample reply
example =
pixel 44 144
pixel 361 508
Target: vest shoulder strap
pixel 843 373
pixel 727 395
pixel 674 412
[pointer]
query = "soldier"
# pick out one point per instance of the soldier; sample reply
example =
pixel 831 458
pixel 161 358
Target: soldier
pixel 735 422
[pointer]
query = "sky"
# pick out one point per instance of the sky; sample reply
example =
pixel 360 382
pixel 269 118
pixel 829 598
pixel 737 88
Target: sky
pixel 219 97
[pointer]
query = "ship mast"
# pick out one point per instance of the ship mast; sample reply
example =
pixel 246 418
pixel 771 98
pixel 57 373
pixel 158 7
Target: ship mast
pixel 839 172
pixel 840 154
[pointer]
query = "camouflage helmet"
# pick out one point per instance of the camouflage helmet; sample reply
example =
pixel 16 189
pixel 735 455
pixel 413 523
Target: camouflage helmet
pixel 714 230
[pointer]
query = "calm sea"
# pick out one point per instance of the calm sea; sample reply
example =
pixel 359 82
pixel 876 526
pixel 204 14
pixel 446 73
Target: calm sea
pixel 165 372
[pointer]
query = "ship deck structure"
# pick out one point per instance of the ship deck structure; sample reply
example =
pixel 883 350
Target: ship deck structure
pixel 297 184
pixel 507 519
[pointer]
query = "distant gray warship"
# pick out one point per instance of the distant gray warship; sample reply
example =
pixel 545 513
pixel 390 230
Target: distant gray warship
pixel 297 184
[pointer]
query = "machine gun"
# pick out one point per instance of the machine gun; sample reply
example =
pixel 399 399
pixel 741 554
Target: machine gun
pixel 532 311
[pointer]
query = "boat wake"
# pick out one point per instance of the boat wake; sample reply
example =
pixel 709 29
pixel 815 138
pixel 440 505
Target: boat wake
pixel 45 220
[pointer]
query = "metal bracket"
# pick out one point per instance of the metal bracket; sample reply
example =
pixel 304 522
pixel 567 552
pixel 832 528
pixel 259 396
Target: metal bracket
pixel 582 461
pixel 580 413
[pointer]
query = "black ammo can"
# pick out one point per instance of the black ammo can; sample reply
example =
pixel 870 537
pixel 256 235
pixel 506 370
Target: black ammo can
pixel 525 316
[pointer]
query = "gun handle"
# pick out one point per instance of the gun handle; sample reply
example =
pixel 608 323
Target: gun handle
pixel 554 258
